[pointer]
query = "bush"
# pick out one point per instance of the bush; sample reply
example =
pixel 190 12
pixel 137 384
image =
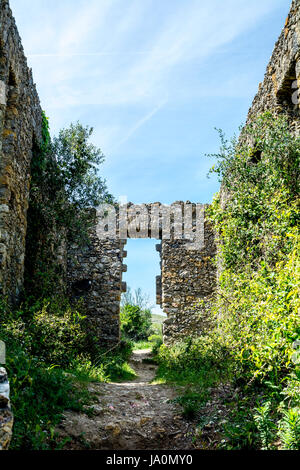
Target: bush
pixel 156 340
pixel 51 330
pixel 58 339
pixel 255 341
pixel 202 360
pixel 257 302
pixel 135 322
pixel 39 395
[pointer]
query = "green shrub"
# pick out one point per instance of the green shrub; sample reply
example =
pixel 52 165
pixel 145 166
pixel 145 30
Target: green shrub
pixel 135 322
pixel 240 430
pixel 156 340
pixel 39 395
pixel 265 425
pixel 191 402
pixel 257 301
pixel 57 339
pixel 202 360
pixel 289 429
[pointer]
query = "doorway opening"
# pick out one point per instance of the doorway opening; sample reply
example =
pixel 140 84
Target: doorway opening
pixel 141 317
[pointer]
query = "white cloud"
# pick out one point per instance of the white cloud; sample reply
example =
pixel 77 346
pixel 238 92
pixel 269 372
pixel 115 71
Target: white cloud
pixel 137 125
pixel 116 53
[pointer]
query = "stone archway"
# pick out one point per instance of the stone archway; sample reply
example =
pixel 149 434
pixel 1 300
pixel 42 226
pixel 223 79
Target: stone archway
pixel 187 270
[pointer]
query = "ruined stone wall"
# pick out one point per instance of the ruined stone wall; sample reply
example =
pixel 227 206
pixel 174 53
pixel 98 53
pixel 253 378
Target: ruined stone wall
pixel 20 125
pixel 94 274
pixel 279 90
pixel 187 275
pixel 188 279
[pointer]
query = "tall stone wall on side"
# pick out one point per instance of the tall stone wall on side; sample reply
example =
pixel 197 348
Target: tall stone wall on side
pixel 279 90
pixel 94 274
pixel 20 126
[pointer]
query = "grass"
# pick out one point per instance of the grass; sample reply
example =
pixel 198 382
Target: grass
pixel 242 415
pixel 144 344
pixel 49 368
pixel 158 318
pixel 196 367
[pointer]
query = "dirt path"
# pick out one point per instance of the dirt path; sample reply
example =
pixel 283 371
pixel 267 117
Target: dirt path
pixel 130 415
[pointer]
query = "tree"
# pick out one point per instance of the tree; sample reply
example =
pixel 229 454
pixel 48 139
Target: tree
pixel 137 298
pixel 135 322
pixel 65 186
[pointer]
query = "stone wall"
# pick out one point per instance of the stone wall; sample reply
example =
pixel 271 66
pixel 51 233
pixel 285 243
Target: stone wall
pixel 279 90
pixel 20 126
pixel 187 275
pixel 94 274
pixel 188 279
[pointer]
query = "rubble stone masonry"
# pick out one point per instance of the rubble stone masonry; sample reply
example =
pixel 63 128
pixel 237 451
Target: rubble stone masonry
pixel 20 126
pixel 187 275
pixel 279 90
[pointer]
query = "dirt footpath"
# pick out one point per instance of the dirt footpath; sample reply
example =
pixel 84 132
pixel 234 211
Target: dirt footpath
pixel 130 415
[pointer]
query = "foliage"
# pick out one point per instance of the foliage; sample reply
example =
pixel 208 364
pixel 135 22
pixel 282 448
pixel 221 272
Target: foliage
pixel 257 218
pixel 156 341
pixel 265 425
pixel 153 342
pixel 289 429
pixel 65 180
pixel 255 341
pixel 65 186
pixel 135 322
pixel 240 431
pixel 191 402
pixel 267 154
pixel 39 395
pixel 115 362
pixel 53 331
pixel 48 353
pixel 50 347
pixel 197 364
pixel 58 338
pixel 137 298
pixel 203 361
pixel 142 344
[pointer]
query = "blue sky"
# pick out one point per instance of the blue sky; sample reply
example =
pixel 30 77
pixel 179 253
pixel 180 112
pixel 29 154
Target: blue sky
pixel 154 78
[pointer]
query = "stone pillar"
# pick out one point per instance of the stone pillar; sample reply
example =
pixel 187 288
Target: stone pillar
pixel 188 281
pixel 95 274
